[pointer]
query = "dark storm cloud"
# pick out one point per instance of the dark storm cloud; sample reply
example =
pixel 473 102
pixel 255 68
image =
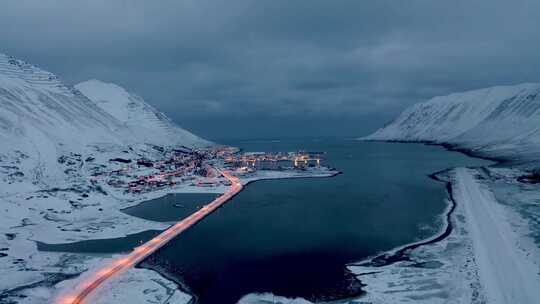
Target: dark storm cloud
pixel 280 67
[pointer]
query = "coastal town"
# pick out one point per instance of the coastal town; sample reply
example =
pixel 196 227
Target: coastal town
pixel 198 167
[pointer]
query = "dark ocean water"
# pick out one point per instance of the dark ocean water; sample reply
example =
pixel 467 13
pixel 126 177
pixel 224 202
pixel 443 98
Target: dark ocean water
pixel 294 237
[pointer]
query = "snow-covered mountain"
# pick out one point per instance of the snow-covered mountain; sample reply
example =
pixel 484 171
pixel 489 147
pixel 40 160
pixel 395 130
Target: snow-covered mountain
pixel 501 122
pixel 149 124
pixel 42 119
pixel 36 106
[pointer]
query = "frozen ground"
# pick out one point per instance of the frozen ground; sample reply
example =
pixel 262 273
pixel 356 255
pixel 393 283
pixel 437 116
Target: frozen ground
pixel 72 212
pixel 136 285
pixel 489 256
pixel 140 286
pixel 508 264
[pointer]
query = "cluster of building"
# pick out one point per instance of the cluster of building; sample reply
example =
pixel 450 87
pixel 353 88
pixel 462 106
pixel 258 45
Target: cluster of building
pixel 275 161
pixel 143 174
pixel 196 167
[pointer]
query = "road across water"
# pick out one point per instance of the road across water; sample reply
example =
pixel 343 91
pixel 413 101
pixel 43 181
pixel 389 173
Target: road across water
pixel 85 288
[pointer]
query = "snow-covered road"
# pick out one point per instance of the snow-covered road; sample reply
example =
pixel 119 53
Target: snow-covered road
pixel 506 272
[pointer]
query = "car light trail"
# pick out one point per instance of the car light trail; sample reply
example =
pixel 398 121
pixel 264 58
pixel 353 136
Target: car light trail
pixel 85 288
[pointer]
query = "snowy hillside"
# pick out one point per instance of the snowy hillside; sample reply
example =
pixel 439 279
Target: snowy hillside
pixel 500 121
pixel 149 124
pixel 42 119
pixel 35 105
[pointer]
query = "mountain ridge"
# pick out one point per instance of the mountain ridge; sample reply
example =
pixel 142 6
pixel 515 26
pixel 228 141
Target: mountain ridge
pixel 501 122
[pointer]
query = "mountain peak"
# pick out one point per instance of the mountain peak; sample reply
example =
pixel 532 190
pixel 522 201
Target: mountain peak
pixel 135 113
pixel 13 68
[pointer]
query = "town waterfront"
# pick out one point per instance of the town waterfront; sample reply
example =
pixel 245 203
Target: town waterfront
pixel 294 237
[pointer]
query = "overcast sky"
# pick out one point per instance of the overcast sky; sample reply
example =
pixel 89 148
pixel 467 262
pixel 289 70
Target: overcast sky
pixel 271 68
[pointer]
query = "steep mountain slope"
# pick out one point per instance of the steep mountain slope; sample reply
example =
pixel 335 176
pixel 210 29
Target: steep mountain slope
pixel 150 125
pixel 501 122
pixel 33 100
pixel 42 119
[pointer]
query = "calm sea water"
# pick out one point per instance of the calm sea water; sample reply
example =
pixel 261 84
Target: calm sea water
pixel 171 207
pixel 294 237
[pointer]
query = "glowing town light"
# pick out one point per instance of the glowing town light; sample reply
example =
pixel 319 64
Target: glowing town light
pixel 66 300
pixel 122 262
pixel 104 272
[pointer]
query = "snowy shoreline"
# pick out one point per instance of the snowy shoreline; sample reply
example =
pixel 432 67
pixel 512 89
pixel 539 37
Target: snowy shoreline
pixel 161 282
pixel 395 255
pixel 442 268
pixel 399 253
pixel 379 271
